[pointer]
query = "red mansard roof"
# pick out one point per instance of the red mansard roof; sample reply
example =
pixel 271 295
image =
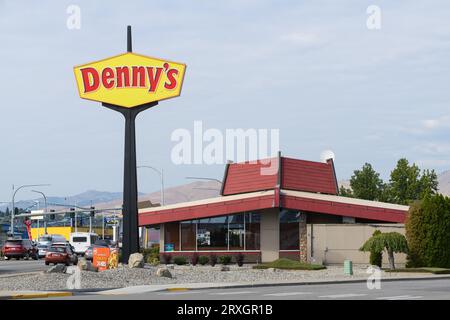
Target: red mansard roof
pixel 293 174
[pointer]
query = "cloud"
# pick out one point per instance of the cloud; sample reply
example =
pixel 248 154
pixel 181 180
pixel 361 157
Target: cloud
pixel 441 122
pixel 433 148
pixel 303 39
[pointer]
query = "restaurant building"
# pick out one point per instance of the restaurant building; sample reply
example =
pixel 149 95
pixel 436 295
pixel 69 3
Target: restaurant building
pixel 265 210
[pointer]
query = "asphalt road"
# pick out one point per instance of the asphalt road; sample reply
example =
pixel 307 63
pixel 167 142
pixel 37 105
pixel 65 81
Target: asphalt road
pixel 21 266
pixel 395 290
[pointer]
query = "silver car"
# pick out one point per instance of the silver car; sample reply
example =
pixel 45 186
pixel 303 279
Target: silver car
pixel 42 249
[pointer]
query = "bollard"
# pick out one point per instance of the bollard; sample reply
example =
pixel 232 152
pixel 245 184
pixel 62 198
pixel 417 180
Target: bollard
pixel 348 267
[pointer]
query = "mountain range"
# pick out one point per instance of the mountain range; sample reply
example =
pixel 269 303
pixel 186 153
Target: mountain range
pixel 187 192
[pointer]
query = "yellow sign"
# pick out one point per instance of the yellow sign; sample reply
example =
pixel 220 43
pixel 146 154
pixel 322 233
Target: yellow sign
pixel 129 80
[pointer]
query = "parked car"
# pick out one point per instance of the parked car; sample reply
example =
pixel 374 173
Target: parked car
pixel 46 241
pixel 81 241
pixel 105 243
pixel 20 248
pixel 61 253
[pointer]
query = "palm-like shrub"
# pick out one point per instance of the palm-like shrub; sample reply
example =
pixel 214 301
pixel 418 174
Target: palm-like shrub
pixel 392 242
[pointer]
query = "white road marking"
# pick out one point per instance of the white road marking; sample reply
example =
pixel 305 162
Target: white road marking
pixel 285 294
pixel 234 292
pixel 345 295
pixel 407 297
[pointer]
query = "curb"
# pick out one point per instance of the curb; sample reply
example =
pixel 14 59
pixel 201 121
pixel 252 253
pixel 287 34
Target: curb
pixel 32 295
pixel 278 284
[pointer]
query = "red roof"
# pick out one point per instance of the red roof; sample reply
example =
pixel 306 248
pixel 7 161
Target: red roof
pixel 293 174
pixel 297 200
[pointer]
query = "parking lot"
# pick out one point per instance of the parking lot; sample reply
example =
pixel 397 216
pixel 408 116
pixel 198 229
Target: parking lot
pixel 21 266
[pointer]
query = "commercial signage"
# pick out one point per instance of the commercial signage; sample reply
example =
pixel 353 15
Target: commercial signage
pixel 129 80
pixel 105 258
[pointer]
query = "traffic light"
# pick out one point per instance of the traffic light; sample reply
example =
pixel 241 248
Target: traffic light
pixel 92 212
pixel 72 214
pixel 52 216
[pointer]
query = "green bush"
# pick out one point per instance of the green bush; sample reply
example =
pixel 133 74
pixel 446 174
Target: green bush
pixel 224 260
pixel 239 259
pixel 179 260
pixel 151 254
pixel 428 232
pixel 212 259
pixel 152 260
pixel 289 264
pixel 376 257
pixel 203 260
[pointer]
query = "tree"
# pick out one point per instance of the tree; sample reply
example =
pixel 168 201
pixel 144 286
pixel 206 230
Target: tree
pixel 428 232
pixel 366 183
pixel 346 192
pixel 392 242
pixel 406 184
pixel 376 257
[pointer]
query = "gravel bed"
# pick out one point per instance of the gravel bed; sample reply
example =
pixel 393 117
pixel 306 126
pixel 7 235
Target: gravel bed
pixel 124 277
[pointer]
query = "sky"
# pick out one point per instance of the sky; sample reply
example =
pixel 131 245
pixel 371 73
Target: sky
pixel 312 69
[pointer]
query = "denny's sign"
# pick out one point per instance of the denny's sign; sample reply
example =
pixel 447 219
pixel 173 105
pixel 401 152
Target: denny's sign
pixel 129 80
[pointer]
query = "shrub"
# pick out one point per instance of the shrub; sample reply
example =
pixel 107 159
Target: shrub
pixel 179 260
pixel 150 254
pixel 166 258
pixel 224 260
pixel 194 259
pixel 428 232
pixel 392 242
pixel 239 259
pixel 153 261
pixel 212 259
pixel 203 260
pixel 376 257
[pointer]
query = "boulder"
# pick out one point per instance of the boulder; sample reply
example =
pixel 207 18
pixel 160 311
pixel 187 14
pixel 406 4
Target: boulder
pixel 163 272
pixel 225 268
pixel 86 265
pixel 136 260
pixel 170 266
pixel 59 268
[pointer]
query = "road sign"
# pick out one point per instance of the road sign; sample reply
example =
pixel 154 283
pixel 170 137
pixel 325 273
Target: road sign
pixel 129 80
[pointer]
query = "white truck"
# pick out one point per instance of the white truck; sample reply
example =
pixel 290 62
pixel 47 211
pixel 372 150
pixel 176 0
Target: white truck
pixel 80 241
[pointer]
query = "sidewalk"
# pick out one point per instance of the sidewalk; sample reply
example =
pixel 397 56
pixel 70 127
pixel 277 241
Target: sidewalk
pixel 208 285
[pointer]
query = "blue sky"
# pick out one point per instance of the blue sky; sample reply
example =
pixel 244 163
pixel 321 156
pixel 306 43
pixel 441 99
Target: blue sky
pixel 310 68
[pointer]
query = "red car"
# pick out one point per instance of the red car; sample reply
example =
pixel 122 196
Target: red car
pixel 20 248
pixel 61 254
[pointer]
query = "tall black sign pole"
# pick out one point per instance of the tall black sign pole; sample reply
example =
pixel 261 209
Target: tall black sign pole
pixel 130 240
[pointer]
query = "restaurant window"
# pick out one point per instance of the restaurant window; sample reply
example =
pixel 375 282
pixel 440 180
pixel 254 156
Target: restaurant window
pixel 252 231
pixel 212 233
pixel 188 235
pixel 172 236
pixel 236 231
pixel 289 230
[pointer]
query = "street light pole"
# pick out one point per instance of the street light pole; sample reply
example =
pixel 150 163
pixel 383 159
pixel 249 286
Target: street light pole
pixel 13 204
pixel 45 208
pixel 161 175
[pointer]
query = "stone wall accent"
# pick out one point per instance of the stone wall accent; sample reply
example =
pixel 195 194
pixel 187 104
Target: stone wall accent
pixel 303 238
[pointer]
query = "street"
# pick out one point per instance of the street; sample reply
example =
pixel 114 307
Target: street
pixel 21 266
pixel 395 290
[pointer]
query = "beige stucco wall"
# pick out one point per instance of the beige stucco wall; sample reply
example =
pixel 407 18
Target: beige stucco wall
pixel 270 239
pixel 334 243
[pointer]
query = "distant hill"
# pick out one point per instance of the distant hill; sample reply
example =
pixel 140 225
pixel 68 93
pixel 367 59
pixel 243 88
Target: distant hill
pixel 187 192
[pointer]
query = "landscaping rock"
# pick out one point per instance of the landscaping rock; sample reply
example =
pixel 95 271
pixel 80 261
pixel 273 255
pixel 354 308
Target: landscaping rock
pixel 225 268
pixel 59 268
pixel 163 272
pixel 170 266
pixel 86 265
pixel 136 260
pixel 272 270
